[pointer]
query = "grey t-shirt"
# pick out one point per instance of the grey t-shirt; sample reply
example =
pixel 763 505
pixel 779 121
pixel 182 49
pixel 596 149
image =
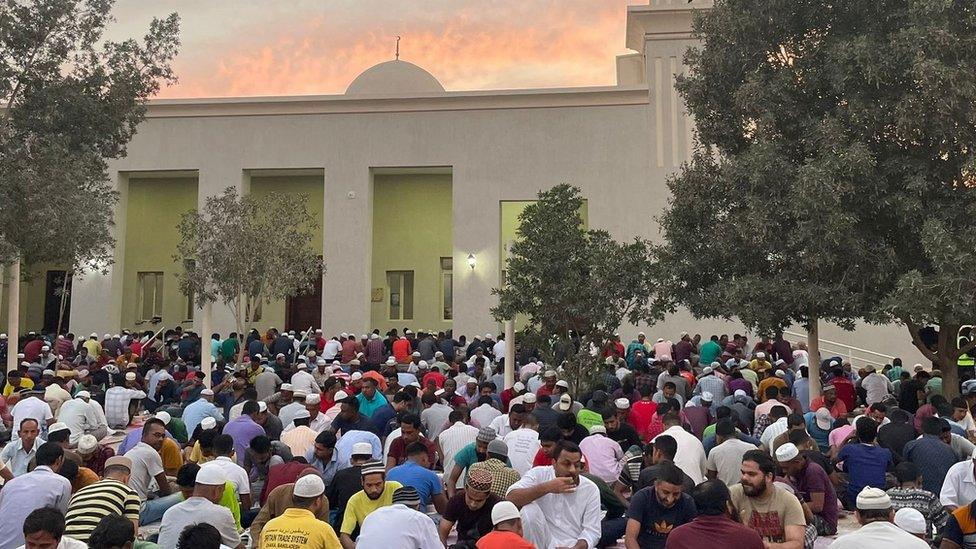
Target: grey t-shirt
pixel 146 464
pixel 193 511
pixel 266 383
pixel 726 460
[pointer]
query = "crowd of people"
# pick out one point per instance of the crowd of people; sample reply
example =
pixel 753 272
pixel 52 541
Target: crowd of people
pixel 412 440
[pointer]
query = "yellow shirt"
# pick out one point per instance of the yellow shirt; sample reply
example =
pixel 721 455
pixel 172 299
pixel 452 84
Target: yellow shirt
pixel 360 505
pixel 298 529
pixel 8 389
pixel 196 455
pixel 172 457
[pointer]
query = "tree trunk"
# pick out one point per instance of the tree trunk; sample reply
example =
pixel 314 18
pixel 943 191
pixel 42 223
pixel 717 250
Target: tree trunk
pixel 509 353
pixel 813 350
pixel 206 327
pixel 945 357
pixel 64 300
pixel 13 315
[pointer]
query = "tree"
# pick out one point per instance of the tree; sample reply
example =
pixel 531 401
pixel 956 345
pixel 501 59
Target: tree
pixel 244 253
pixel 828 133
pixel 70 101
pixel 569 280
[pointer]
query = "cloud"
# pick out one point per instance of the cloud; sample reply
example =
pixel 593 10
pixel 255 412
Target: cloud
pixel 319 48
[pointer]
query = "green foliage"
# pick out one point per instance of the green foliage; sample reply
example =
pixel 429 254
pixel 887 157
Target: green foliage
pixel 70 101
pixel 830 132
pixel 566 278
pixel 247 252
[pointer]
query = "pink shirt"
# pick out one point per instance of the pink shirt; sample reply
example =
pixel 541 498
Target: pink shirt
pixel 603 457
pixel 837 436
pixel 662 348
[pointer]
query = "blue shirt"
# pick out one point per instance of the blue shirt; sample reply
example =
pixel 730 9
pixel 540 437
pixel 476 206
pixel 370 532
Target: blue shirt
pixel 343 449
pixel 134 437
pixel 422 479
pixel 933 459
pixel 381 418
pixel 328 470
pixel 865 465
pixel 816 433
pixel 195 412
pixel 801 391
pixel 368 407
pixel 16 458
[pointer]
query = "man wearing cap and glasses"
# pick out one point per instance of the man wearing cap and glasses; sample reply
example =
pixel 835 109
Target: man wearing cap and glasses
pixel 875 515
pixel 400 525
pixel 201 508
pixel 298 527
pixel 467 456
pixel 377 492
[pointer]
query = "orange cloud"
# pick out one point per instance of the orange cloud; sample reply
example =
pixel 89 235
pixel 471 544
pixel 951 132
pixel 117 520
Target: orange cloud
pixel 517 44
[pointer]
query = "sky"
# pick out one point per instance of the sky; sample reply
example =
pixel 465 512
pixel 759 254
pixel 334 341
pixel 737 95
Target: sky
pixel 293 47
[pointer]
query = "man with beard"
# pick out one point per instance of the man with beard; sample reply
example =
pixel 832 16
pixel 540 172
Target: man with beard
pixel 467 456
pixel 559 507
pixel 656 510
pixel 377 492
pixel 470 510
pixel 771 511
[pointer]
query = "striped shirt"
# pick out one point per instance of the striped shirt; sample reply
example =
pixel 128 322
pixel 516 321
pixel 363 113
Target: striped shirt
pixel 94 502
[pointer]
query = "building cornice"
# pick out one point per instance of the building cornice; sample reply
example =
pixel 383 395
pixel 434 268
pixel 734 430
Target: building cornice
pixel 448 101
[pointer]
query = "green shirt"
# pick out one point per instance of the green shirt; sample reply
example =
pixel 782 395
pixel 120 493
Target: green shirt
pixel 177 428
pixel 933 387
pixel 588 418
pixel 228 349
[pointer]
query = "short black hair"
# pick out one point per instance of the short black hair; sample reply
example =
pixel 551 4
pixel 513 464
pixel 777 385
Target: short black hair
pixel 762 459
pixel 302 421
pixel 326 438
pixel 223 445
pixel 150 422
pixel 199 536
pixel 415 448
pixel 68 470
pixel 25 420
pixel 566 445
pixel 112 532
pixel 517 408
pixel 186 476
pixel 867 430
pixel 795 420
pixel 724 427
pixel 779 412
pixel 566 420
pixel 667 445
pixel 411 419
pixel 45 519
pixel 48 453
pixel 723 412
pixel 260 444
pixel 59 436
pixel 550 434
pixel 930 425
pixel 711 497
pixel 906 471
pixel 772 392
pixel 250 408
pixel 455 416
pixel 670 473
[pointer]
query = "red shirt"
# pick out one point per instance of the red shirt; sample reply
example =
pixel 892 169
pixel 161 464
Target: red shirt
pixel 545 391
pixel 503 540
pixel 398 450
pixel 283 473
pixel 348 350
pixel 705 531
pixel 402 350
pixel 640 416
pixel 845 391
pixel 435 376
pixel 541 458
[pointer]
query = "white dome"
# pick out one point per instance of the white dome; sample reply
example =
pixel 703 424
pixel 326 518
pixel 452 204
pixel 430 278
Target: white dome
pixel 394 78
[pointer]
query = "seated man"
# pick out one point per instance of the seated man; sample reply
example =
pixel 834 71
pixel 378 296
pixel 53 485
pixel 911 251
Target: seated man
pixel 377 492
pixel 558 506
pixel 470 510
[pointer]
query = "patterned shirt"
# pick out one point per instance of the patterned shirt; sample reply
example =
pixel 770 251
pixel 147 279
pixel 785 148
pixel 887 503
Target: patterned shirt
pixel 96 461
pixel 924 502
pixel 501 476
pixel 92 503
pixel 117 405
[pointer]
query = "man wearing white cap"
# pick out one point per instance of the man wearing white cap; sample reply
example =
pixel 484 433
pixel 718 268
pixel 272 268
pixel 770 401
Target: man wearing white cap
pixel 303 382
pixel 31 406
pixel 875 515
pixel 79 416
pixel 200 408
pixel 507 532
pixel 54 392
pixel 298 435
pixel 813 486
pixel 300 521
pixel 912 521
pixel 201 508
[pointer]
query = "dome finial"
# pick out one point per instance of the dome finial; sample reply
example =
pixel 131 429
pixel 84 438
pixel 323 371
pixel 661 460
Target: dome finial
pixel 398 48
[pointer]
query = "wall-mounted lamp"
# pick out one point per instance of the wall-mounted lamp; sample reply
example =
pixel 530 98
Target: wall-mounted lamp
pixel 472 261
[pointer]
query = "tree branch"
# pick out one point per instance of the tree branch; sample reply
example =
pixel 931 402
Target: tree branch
pixel 913 329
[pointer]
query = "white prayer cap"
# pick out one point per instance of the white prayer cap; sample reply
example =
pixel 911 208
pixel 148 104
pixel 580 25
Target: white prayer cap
pixel 321 362
pixel 873 499
pixel 641 334
pixel 529 398
pixel 45 347
pixel 164 417
pixel 280 355
pixel 415 354
pixel 760 354
pixel 598 429
pixel 313 399
pixel 439 392
pixel 519 386
pixel 504 510
pixel 340 395
pixel 302 366
pixel 707 396
pixel 364 336
pixel 414 384
pixel 87 444
pixel 356 376
pixel 374 336
pixel 309 486
pixel 208 423
pixel 423 364
pixel 207 392
pixel 910 520
pixel 286 387
pixel 344 334
pixel 622 403
pixel 707 370
pixel 660 340
pixel 488 336
pixel 739 393
pixel 83 394
pixel 262 406
pixel 130 376
pixel 302 414
pixel 300 395
pixel 47 373
pixel 107 336
pixel 562 383
pixel 25 363
pixel 391 360
pixel 786 452
pixel 211 476
pixel 565 402
pixel 55 427
pixel 362 449
pixel 93 335
pixel 3 336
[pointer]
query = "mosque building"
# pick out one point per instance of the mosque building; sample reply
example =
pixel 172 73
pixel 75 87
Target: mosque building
pixel 416 191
